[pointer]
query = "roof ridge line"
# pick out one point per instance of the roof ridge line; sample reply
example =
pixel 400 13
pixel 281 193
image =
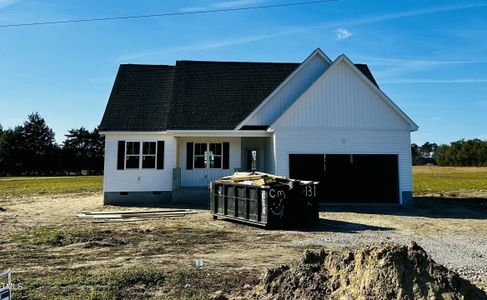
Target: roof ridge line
pixel 237 62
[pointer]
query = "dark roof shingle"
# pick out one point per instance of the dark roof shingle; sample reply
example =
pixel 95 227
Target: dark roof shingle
pixel 140 99
pixel 219 95
pixel 193 95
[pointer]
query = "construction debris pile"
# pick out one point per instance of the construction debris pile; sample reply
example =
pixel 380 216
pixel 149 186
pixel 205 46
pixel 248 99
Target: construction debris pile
pixel 384 271
pixel 132 216
pixel 256 179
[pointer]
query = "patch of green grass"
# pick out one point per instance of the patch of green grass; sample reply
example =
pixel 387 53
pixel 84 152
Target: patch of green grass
pixel 132 283
pixel 437 181
pixel 85 285
pixel 22 186
pixel 51 236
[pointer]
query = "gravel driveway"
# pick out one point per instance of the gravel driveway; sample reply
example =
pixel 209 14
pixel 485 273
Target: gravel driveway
pixel 452 233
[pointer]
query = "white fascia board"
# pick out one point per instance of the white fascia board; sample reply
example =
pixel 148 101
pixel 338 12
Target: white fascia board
pixel 344 58
pixel 219 133
pixel 133 132
pixel 317 51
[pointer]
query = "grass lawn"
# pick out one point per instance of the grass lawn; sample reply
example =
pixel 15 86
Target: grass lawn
pixel 449 179
pixel 21 186
pixel 427 180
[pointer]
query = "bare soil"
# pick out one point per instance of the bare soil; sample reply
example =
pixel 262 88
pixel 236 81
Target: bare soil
pixel 382 271
pixel 53 253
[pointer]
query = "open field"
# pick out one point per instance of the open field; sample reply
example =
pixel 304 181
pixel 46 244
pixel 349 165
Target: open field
pixel 438 181
pixel 463 182
pixel 55 255
pixel 24 186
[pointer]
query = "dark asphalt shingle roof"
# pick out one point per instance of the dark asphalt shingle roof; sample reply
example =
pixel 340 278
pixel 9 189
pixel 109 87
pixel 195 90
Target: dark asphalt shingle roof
pixel 219 95
pixel 193 95
pixel 140 99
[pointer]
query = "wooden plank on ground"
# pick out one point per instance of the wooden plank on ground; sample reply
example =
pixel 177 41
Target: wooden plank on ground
pixel 131 211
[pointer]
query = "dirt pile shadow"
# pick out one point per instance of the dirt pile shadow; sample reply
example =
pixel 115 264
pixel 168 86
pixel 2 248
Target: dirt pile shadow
pixel 382 271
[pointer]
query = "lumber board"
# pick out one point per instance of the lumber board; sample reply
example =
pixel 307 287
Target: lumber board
pixel 131 211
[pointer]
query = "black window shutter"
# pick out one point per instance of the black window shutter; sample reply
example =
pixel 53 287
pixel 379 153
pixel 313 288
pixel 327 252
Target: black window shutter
pixel 189 156
pixel 121 155
pixel 160 155
pixel 226 155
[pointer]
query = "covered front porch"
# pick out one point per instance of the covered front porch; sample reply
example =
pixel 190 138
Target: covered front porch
pixel 202 159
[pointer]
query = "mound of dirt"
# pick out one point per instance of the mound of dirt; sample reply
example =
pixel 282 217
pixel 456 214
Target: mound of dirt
pixel 383 271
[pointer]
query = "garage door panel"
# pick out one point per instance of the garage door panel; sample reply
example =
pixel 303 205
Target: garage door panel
pixel 347 178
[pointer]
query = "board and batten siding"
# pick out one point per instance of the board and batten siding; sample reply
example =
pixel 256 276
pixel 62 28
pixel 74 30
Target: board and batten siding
pixel 201 177
pixel 341 99
pixel 288 93
pixel 138 180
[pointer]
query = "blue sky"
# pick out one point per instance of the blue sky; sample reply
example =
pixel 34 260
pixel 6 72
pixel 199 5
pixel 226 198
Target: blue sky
pixel 429 56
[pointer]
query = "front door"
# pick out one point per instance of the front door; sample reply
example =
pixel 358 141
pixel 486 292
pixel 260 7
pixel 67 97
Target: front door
pixel 252 160
pixel 207 160
pixel 204 160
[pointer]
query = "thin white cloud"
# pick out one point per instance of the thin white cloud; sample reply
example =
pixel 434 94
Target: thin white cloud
pixel 342 33
pixel 281 32
pixel 235 3
pixel 193 9
pixel 410 13
pixel 380 61
pixel 433 81
pixel 216 44
pixel 221 5
pixel 5 3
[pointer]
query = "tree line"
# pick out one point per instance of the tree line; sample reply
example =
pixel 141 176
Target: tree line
pixel 461 153
pixel 31 149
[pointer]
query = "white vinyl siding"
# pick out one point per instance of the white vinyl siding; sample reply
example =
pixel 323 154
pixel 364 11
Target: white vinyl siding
pixel 281 101
pixel 341 99
pixel 138 180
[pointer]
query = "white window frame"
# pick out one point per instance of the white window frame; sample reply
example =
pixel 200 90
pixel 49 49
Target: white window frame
pixel 130 155
pixel 207 155
pixel 215 155
pixel 200 155
pixel 140 155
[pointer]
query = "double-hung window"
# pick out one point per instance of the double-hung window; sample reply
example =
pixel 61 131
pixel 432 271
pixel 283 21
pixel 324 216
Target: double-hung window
pixel 208 155
pixel 135 158
pixel 200 154
pixel 140 155
pixel 215 156
pixel 132 157
pixel 148 155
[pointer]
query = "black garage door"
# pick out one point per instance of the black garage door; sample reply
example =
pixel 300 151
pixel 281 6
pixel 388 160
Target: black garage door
pixel 347 178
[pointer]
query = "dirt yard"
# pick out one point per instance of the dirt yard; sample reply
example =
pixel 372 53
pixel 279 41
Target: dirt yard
pixel 53 253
